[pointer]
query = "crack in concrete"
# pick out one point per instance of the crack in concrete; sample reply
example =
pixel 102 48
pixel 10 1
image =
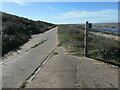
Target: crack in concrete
pixel 35 72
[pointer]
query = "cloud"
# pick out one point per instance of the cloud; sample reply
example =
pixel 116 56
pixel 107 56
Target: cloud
pixel 75 14
pixel 51 8
pixel 108 15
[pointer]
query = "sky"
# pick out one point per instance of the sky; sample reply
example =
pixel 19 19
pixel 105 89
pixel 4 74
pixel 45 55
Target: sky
pixel 64 12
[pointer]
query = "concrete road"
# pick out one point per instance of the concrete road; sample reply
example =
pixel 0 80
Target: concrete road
pixel 15 71
pixel 63 71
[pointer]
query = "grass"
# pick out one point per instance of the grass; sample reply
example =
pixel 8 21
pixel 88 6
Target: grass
pixel 17 31
pixel 26 50
pixel 104 48
pixel 33 73
pixel 24 85
pixel 72 38
pixel 55 53
pixel 36 45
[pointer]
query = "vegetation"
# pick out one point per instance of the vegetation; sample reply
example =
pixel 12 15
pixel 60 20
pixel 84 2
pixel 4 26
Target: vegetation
pixel 99 47
pixel 55 53
pixel 36 45
pixel 18 30
pixel 71 37
pixel 23 85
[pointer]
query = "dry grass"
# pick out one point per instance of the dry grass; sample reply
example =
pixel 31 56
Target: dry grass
pixel 99 47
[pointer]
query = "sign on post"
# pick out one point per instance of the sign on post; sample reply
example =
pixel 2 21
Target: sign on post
pixel 90 25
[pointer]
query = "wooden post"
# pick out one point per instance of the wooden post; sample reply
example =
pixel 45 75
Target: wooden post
pixel 86 39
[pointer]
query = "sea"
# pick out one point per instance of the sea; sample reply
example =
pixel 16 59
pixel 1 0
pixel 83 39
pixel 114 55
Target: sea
pixel 107 29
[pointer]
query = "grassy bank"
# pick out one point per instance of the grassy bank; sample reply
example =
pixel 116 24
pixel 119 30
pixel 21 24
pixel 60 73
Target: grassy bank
pixel 18 30
pixel 72 38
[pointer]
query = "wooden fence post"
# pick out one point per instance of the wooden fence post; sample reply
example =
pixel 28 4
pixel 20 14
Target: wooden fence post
pixel 86 39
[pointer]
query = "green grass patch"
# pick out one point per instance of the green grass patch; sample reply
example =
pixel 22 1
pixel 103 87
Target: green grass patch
pixel 36 45
pixel 55 53
pixel 33 73
pixel 24 85
pixel 71 37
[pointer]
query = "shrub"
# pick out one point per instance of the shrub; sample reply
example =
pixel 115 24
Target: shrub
pixel 17 30
pixel 98 47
